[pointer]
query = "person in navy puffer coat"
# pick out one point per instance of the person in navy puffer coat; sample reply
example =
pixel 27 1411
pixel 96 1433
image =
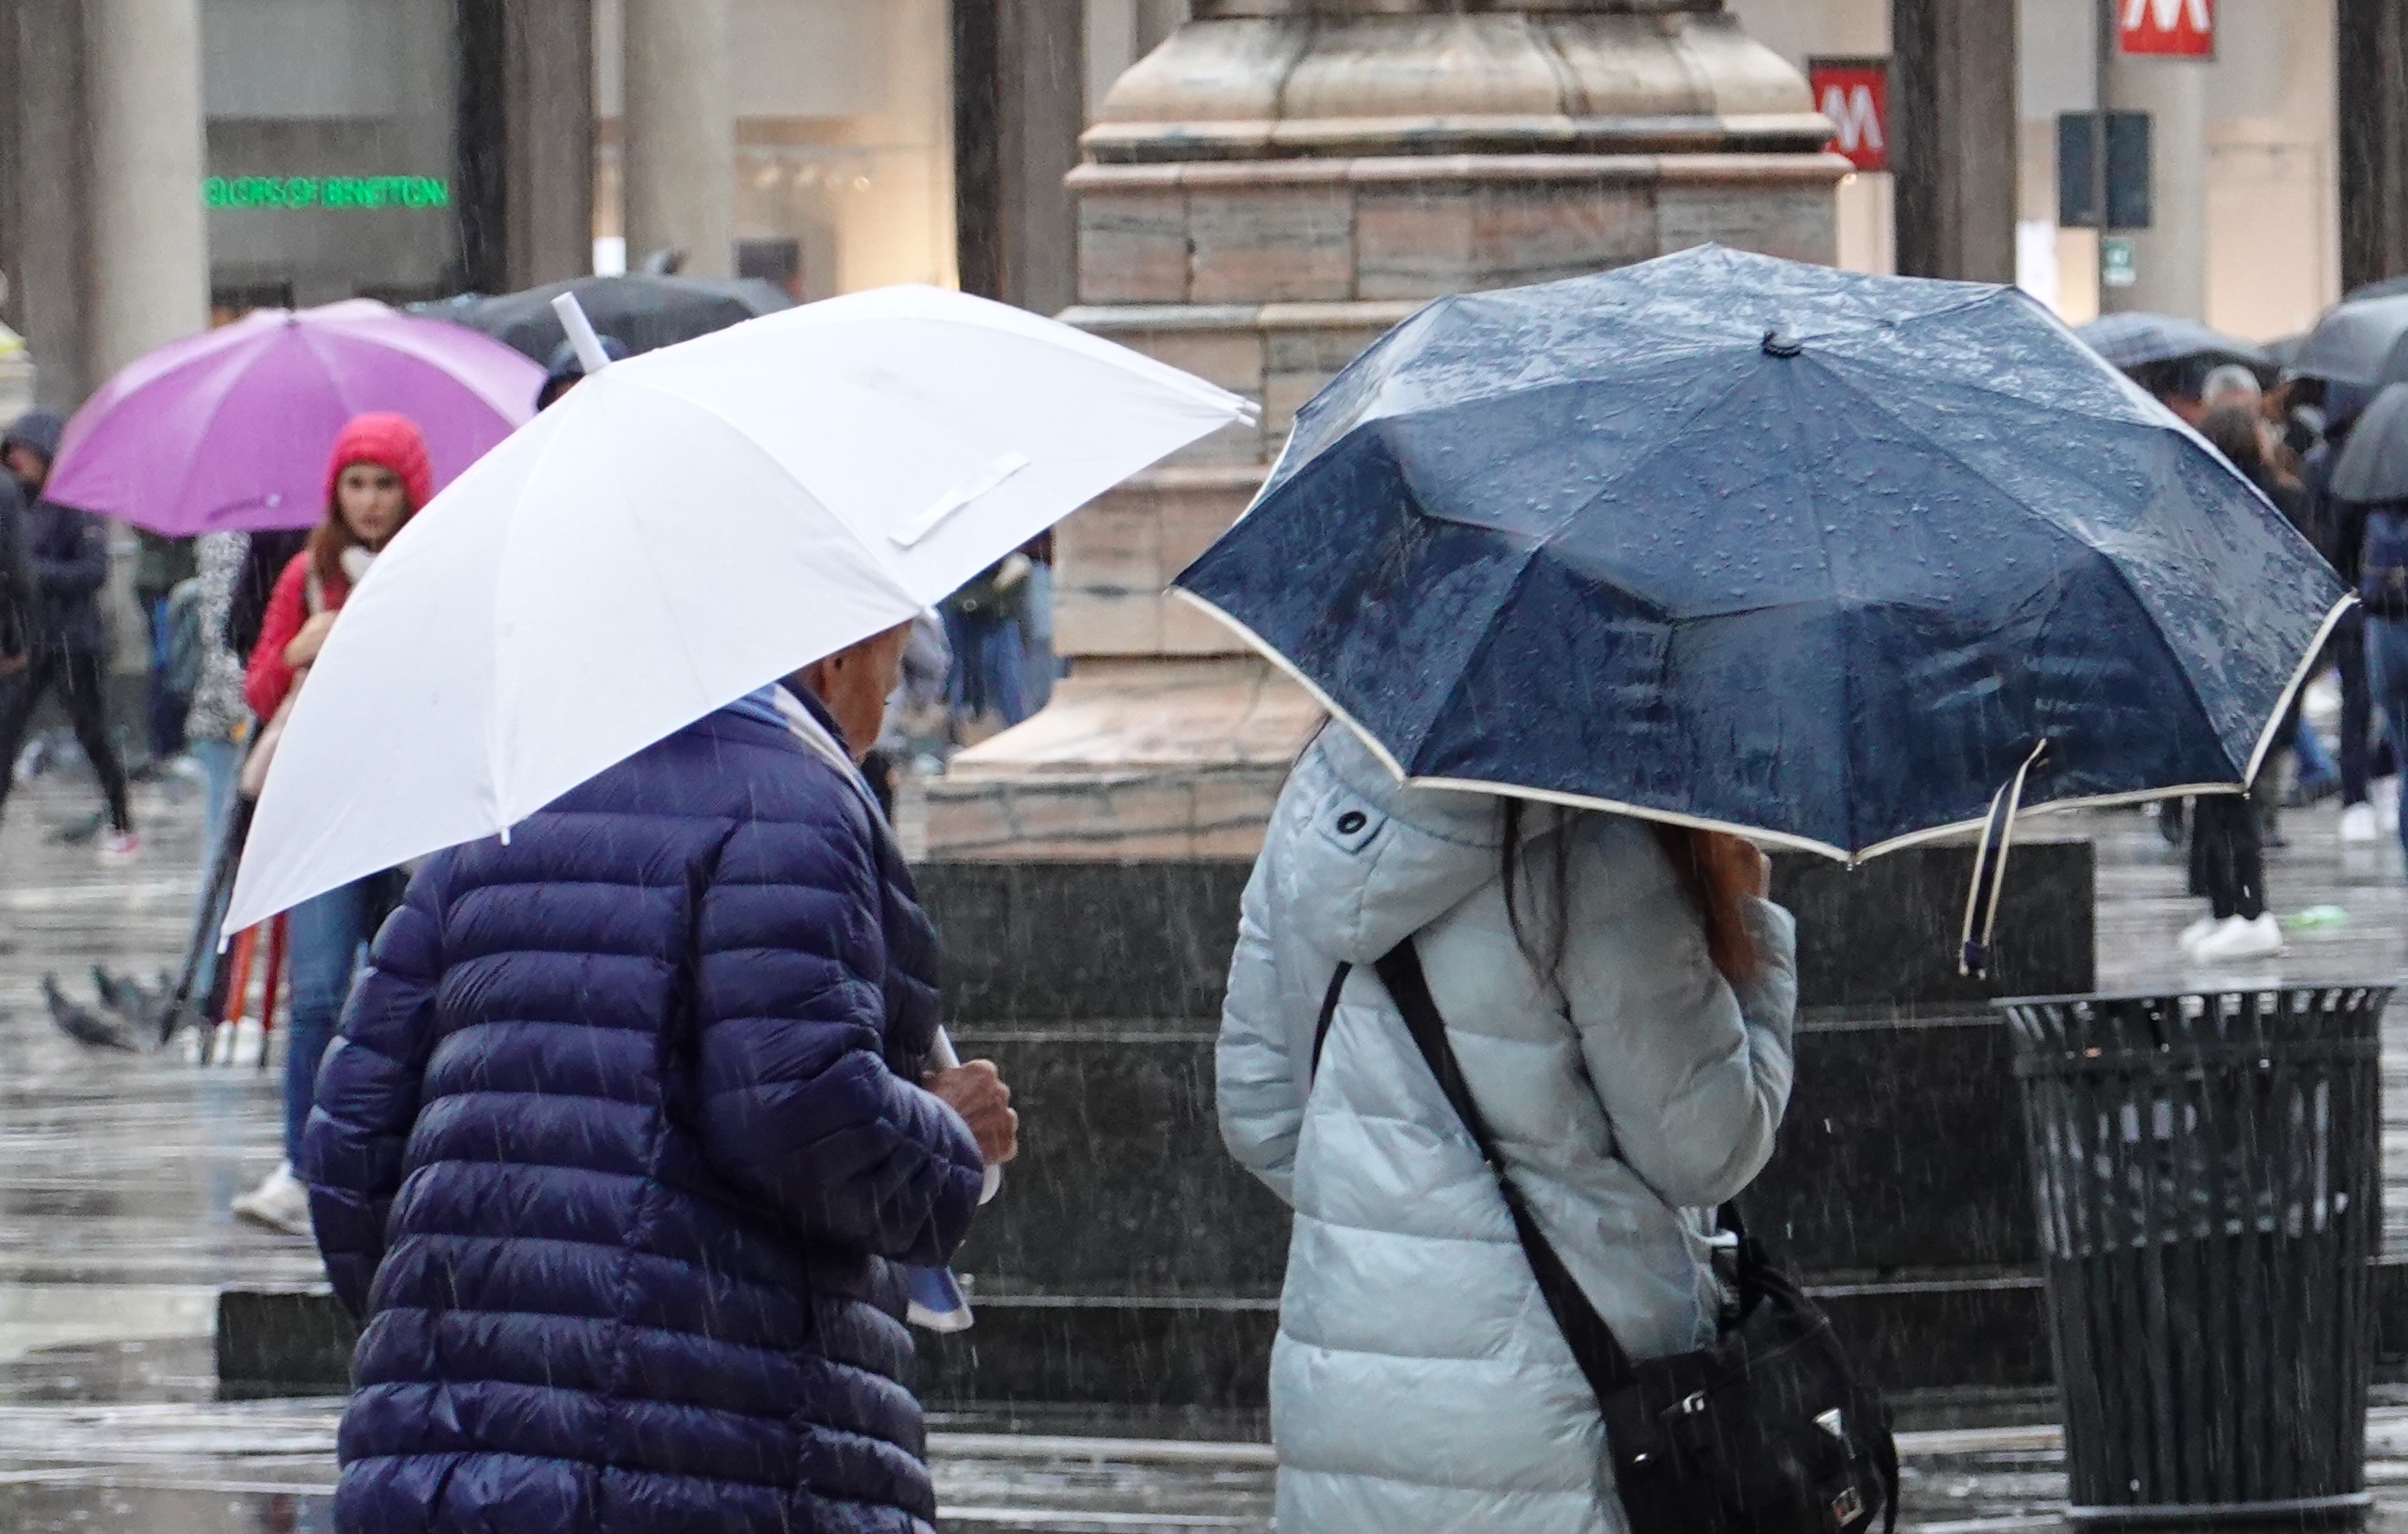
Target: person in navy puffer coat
pixel 623 1137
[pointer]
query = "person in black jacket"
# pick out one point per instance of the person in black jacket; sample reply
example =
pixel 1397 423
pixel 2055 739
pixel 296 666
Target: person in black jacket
pixel 16 584
pixel 67 560
pixel 2336 527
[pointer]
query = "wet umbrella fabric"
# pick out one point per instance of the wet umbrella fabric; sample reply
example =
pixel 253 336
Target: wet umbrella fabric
pixel 2362 343
pixel 2137 340
pixel 645 312
pixel 2373 465
pixel 679 530
pixel 227 431
pixel 1745 543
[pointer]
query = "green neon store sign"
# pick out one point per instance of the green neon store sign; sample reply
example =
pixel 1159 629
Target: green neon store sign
pixel 335 191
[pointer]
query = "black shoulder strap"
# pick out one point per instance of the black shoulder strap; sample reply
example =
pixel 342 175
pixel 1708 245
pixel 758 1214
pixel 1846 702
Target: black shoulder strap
pixel 1328 1012
pixel 1593 1344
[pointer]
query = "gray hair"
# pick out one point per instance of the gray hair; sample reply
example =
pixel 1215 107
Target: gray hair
pixel 2230 384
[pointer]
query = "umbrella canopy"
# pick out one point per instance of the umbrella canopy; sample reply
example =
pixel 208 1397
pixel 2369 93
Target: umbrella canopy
pixel 2137 340
pixel 2373 465
pixel 229 429
pixel 1740 542
pixel 646 312
pixel 681 529
pixel 2362 343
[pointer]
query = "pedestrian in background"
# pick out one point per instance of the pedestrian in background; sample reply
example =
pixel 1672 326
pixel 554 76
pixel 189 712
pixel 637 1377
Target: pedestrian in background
pixel 2227 857
pixel 629 1127
pixel 1620 996
pixel 2383 591
pixel 15 588
pixel 376 478
pixel 566 369
pixel 218 721
pixel 66 564
pixel 2337 529
pixel 986 624
pixel 160 565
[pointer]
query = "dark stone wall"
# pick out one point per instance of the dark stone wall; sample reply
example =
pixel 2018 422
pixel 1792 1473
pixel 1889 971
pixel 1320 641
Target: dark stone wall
pixel 1898 1191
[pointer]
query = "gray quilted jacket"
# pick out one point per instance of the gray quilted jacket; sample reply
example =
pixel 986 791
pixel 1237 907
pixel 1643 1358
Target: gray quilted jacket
pixel 1417 1382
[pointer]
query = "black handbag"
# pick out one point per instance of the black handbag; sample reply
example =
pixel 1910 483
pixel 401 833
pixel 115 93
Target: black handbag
pixel 1766 1430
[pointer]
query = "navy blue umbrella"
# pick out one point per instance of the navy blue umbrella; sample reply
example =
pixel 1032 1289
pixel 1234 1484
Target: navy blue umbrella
pixel 1738 542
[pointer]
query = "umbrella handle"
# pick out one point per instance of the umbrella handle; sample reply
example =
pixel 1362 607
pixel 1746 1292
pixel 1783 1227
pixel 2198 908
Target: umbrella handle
pixel 590 354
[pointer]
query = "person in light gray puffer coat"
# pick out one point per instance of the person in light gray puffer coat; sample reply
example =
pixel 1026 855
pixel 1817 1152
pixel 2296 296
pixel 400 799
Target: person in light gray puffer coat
pixel 1418 1382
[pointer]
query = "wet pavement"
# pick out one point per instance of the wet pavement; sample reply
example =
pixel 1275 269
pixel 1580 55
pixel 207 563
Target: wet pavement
pixel 115 1171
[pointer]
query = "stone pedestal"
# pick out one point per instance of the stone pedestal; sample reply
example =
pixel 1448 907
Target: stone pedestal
pixel 1262 196
pixel 1131 1261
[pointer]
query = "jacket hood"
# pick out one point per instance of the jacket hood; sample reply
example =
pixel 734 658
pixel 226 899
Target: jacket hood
pixel 37 429
pixel 1367 862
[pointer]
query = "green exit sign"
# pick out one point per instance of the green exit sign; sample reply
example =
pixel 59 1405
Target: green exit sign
pixel 335 191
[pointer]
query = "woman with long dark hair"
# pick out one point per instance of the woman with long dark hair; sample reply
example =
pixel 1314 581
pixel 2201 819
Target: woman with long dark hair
pixel 2227 853
pixel 376 478
pixel 1619 994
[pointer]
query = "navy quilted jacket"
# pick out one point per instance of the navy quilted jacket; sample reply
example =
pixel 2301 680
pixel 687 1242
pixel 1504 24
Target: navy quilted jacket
pixel 615 1150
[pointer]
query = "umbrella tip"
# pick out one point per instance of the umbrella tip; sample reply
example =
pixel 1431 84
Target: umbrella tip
pixel 1779 345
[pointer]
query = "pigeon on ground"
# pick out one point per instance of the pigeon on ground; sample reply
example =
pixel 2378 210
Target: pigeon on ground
pixel 82 1024
pixel 129 998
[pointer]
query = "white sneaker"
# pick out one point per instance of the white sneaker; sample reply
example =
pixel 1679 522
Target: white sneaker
pixel 2193 933
pixel 2238 937
pixel 2359 824
pixel 279 1203
pixel 120 847
pixel 2387 803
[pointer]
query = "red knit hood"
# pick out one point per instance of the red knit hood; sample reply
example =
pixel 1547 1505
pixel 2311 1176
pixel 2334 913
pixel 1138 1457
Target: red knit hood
pixel 389 441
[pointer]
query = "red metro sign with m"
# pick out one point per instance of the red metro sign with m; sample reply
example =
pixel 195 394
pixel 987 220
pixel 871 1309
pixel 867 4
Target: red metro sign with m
pixel 1855 94
pixel 2184 28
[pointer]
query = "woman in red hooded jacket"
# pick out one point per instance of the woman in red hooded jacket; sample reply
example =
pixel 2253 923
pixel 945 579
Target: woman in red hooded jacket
pixel 376 478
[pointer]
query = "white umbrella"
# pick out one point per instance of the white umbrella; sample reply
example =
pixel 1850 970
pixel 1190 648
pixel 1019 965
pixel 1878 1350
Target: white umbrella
pixel 684 527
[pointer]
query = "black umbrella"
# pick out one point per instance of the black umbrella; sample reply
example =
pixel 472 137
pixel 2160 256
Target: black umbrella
pixel 2139 339
pixel 643 311
pixel 2364 343
pixel 2374 465
pixel 1733 541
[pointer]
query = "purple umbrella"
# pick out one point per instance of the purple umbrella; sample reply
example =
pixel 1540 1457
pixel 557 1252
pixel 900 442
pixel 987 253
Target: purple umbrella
pixel 229 430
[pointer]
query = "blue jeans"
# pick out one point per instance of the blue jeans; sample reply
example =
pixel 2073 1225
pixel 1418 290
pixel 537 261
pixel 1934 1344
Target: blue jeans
pixel 328 935
pixel 988 659
pixel 2316 762
pixel 2387 668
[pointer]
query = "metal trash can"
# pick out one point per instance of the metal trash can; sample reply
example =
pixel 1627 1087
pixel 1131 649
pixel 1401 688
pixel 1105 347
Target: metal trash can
pixel 2207 1169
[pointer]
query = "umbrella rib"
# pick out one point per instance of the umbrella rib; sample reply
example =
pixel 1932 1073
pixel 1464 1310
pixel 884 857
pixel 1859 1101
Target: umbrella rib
pixel 223 386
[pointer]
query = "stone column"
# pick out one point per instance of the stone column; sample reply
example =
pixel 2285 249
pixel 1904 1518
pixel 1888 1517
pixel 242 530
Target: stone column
pixel 1019 104
pixel 680 134
pixel 2169 257
pixel 1263 195
pixel 149 256
pixel 1955 139
pixel 547 124
pixel 44 183
pixel 2373 118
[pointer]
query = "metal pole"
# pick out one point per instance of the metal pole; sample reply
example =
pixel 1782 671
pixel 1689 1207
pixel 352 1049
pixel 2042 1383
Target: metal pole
pixel 2103 14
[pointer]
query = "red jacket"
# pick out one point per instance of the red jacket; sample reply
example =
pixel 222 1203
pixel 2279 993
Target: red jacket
pixel 268 679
